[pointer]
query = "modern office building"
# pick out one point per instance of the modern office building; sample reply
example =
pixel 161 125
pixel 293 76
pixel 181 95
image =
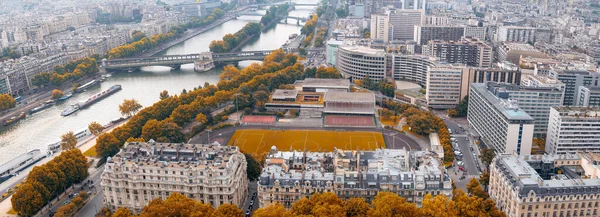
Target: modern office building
pixel 469 51
pixel 588 96
pixel 332 48
pixel 499 121
pixel 535 101
pixel 520 34
pixel 358 62
pixel 573 79
pixel 513 52
pixel 212 174
pixel 573 130
pixel 289 176
pixel 404 22
pixel 380 25
pixel 446 85
pixel 425 33
pixel 532 186
pixel 412 68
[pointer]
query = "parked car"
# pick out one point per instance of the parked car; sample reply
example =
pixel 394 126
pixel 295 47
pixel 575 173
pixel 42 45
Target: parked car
pixel 460 163
pixel 461 168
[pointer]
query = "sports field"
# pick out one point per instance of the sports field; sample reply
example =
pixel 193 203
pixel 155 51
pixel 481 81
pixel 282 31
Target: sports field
pixel 256 141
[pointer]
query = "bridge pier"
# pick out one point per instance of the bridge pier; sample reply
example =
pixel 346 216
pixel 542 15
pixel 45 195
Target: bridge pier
pixel 175 67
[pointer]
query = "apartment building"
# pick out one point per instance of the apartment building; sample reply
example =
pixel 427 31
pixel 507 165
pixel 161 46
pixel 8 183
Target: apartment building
pixel 520 34
pixel 513 52
pixel 425 33
pixel 469 51
pixel 290 176
pixel 446 85
pixel 212 174
pixel 380 26
pixel 573 130
pixel 499 121
pixel 478 32
pixel 358 62
pixel 532 185
pixel 535 101
pixel 501 72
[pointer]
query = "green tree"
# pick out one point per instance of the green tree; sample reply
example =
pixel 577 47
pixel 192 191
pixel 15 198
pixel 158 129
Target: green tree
pixel 484 179
pixel 463 107
pixel 68 141
pixel 487 156
pixel 252 167
pixel 95 128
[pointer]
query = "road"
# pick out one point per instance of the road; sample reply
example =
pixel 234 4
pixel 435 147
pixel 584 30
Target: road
pixel 94 205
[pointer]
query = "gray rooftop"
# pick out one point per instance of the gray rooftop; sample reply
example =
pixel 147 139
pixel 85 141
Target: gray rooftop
pixel 508 108
pixel 326 82
pixel 285 94
pixel 358 97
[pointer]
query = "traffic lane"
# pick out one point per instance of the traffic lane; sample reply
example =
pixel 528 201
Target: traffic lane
pixel 93 206
pixel 467 158
pixel 252 189
pixel 396 140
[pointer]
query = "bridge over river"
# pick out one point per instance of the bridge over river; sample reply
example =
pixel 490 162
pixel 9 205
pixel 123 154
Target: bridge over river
pixel 175 61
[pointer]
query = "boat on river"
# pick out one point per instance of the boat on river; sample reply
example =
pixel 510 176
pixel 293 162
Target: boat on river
pixel 10 168
pixel 42 106
pixel 86 86
pixel 14 119
pixel 94 98
pixel 66 96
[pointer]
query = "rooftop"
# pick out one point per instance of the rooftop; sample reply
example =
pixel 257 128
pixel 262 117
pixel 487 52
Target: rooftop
pixel 358 97
pixel 364 50
pixel 508 108
pixel 285 94
pixel 326 82
pixel 519 46
pixel 577 112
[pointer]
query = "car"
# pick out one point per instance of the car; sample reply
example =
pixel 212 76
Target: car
pixel 253 197
pixel 251 202
pixel 461 168
pixel 250 207
pixel 254 194
pixel 247 212
pixel 8 190
pixel 460 163
pixel 66 202
pixel 467 138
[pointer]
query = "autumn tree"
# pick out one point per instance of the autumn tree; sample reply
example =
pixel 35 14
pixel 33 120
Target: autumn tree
pixel 327 72
pixel 487 156
pixel 387 204
pixel 356 207
pixel 438 206
pixel 538 146
pixel 164 94
pixel 95 128
pixel 57 94
pixel 122 212
pixel 107 145
pixel 484 179
pixel 177 205
pixel 474 188
pixel 261 97
pixel 68 141
pixel 129 107
pixel 27 200
pixel 273 210
pixel 228 210
pixel 7 102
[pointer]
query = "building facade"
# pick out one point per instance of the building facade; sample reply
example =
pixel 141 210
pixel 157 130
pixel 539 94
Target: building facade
pixel 357 63
pixel 425 33
pixel 469 51
pixel 380 24
pixel 520 34
pixel 588 97
pixel 412 68
pixel 532 186
pixel 535 101
pixel 573 130
pixel 573 79
pixel 404 22
pixel 289 176
pixel 446 86
pixel 499 121
pixel 513 52
pixel 140 172
pixel 502 72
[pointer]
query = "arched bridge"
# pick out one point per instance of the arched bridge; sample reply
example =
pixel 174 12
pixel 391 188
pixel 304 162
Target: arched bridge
pixel 176 61
pixel 256 14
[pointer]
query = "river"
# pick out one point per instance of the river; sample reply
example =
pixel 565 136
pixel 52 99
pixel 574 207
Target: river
pixel 45 127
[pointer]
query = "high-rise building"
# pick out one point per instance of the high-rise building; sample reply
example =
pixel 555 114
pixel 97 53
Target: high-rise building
pixel 535 101
pixel 501 72
pixel 357 62
pixel 380 25
pixel 469 51
pixel 446 85
pixel 588 97
pixel 572 130
pixel 573 79
pixel 476 32
pixel 520 34
pixel 404 22
pixel 141 172
pixel 531 185
pixel 426 33
pixel 499 121
pixel 332 48
pixel 289 176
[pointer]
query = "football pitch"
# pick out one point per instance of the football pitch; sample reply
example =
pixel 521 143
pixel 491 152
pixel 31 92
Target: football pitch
pixel 256 141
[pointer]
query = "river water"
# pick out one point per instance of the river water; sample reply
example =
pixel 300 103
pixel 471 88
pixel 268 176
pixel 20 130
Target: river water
pixel 45 127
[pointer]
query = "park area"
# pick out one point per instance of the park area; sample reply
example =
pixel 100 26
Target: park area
pixel 259 142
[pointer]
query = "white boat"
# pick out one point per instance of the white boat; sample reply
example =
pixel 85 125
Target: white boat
pixel 21 162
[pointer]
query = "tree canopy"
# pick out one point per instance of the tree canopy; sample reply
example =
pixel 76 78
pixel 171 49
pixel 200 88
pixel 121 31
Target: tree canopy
pixel 68 141
pixel 129 107
pixel 7 102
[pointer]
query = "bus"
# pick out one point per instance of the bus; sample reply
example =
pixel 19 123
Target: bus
pixel 18 99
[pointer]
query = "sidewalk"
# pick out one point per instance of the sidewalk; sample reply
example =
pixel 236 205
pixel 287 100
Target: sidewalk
pixel 6 204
